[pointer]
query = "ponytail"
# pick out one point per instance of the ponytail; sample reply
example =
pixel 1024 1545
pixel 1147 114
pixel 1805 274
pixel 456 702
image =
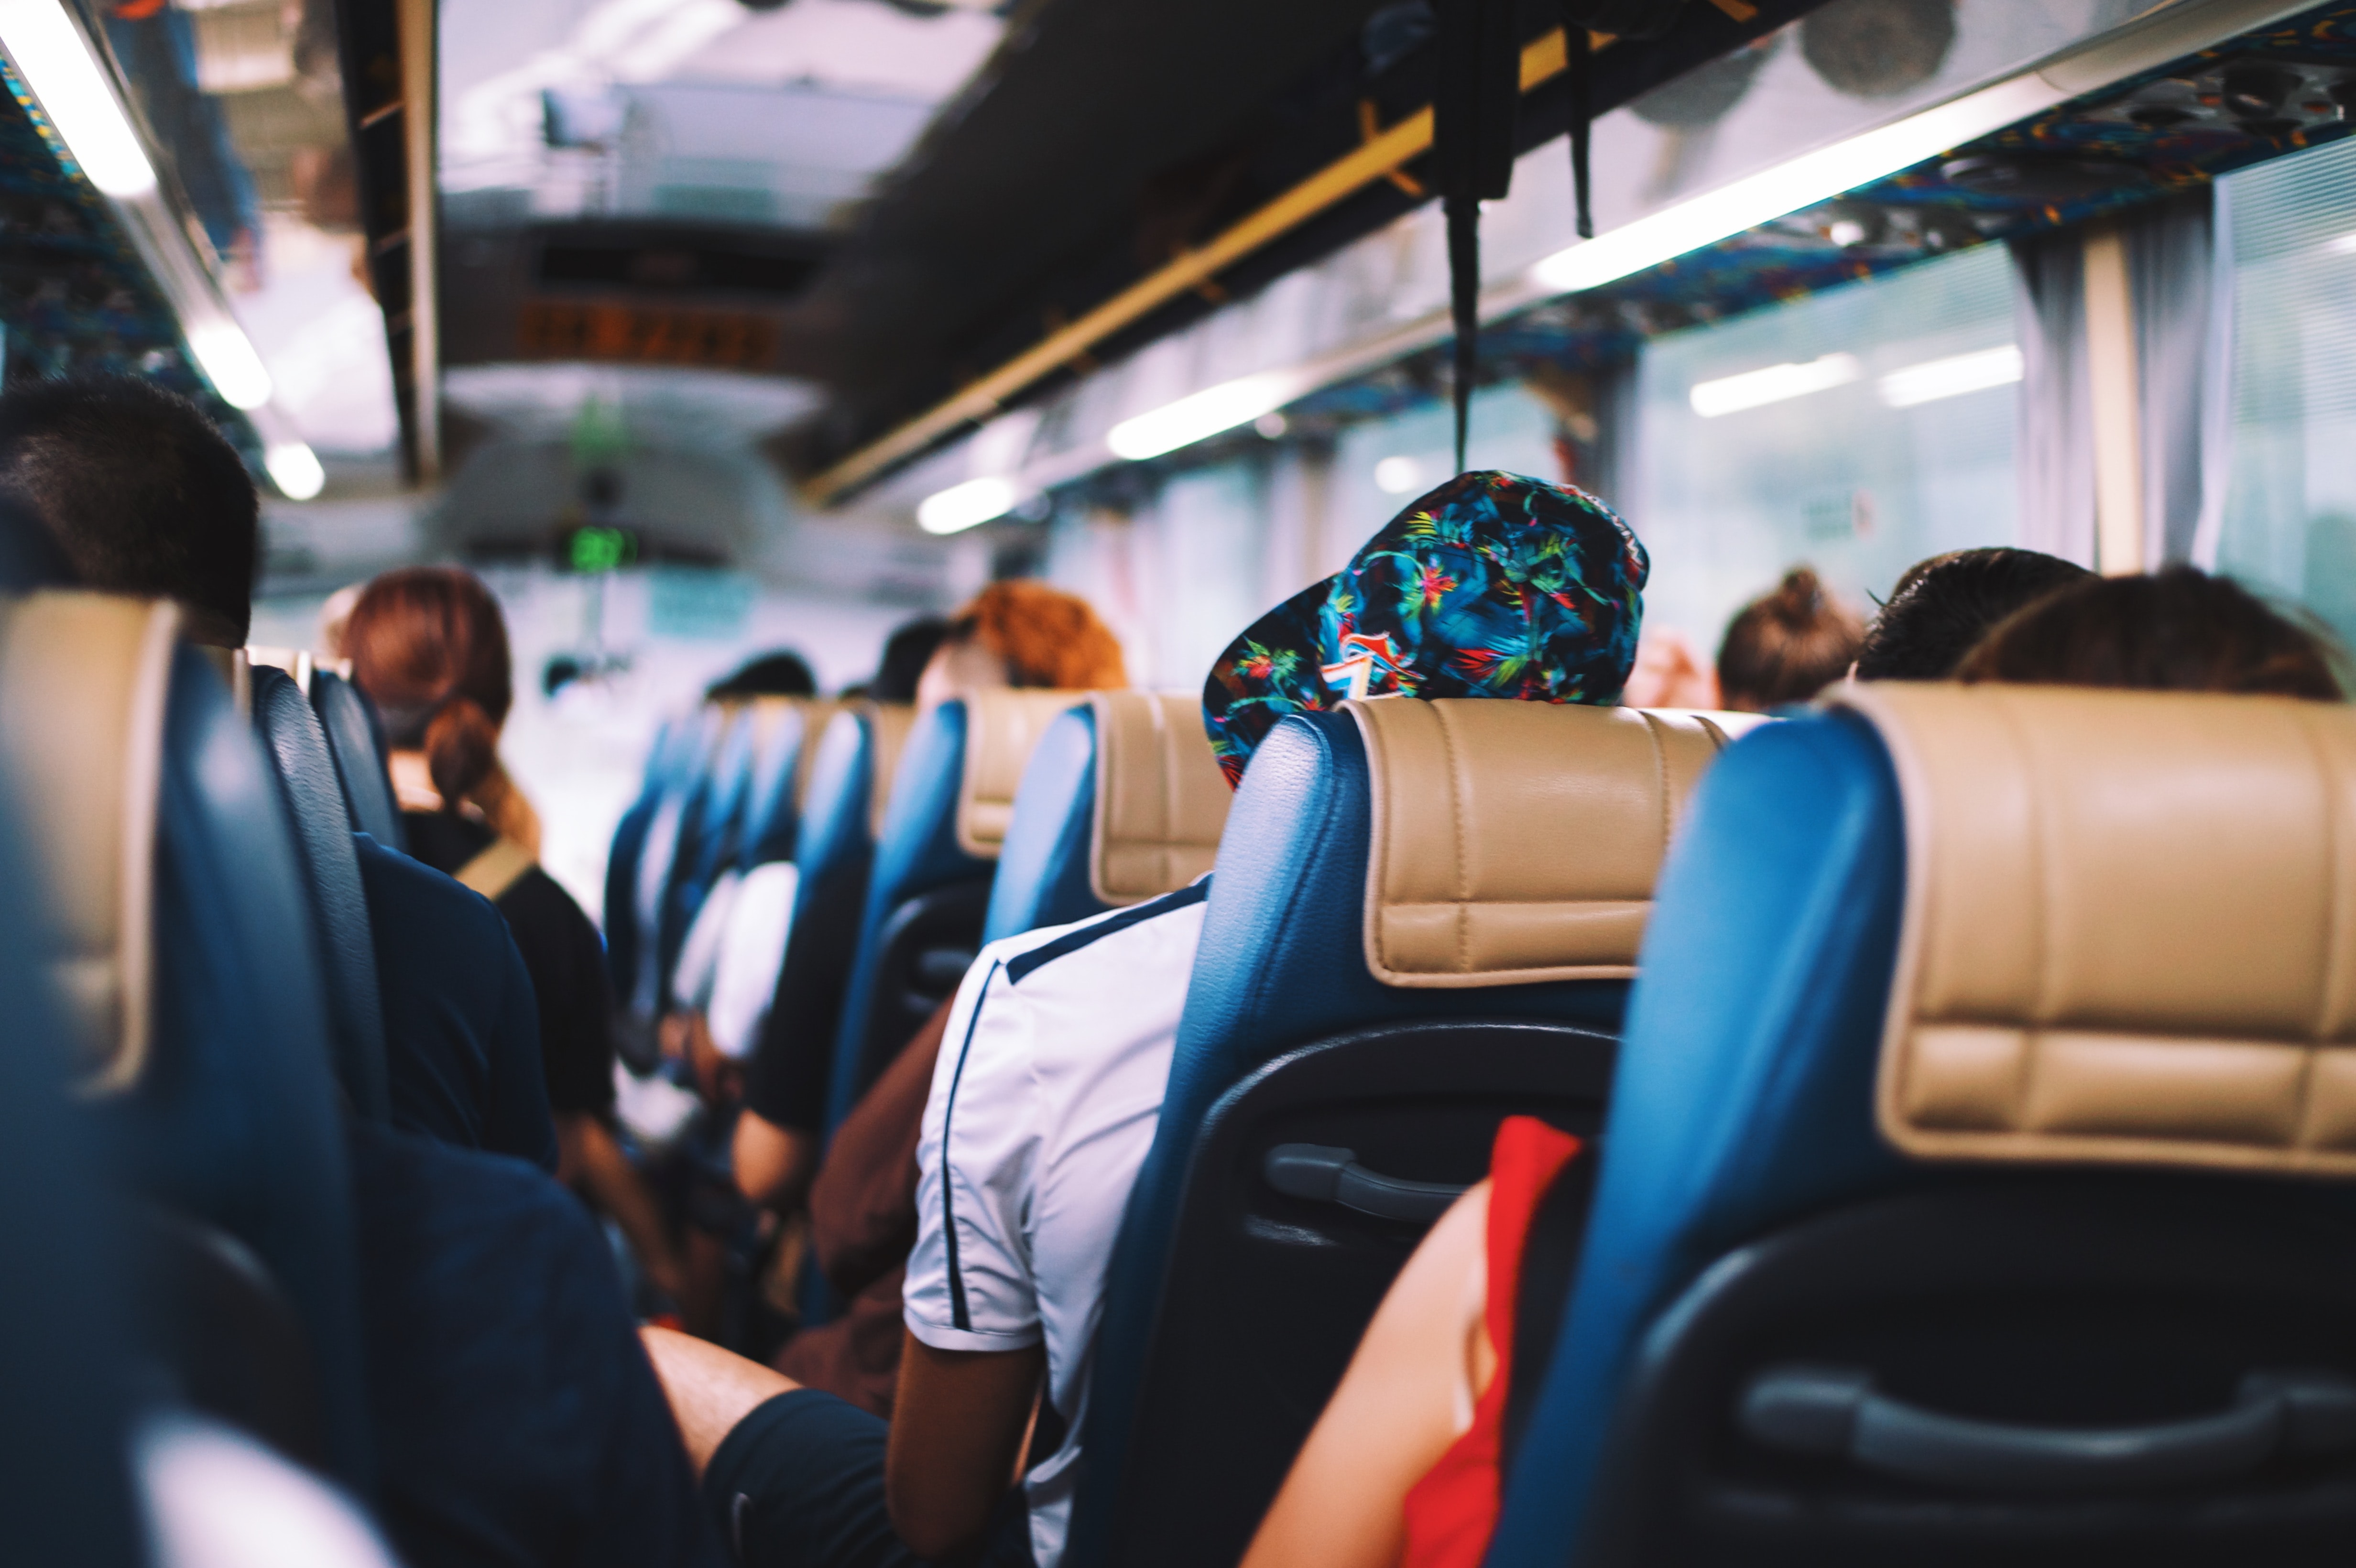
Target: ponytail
pixel 462 748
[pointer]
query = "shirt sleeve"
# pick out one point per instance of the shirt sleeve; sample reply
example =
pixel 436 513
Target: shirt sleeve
pixel 969 1285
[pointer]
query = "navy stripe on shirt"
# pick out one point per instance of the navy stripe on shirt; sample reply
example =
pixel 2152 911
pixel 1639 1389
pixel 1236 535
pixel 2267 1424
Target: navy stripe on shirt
pixel 1022 964
pixel 959 1316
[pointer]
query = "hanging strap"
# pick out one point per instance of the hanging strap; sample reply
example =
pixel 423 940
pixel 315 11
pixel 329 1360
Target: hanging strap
pixel 496 869
pixel 1578 56
pixel 1473 119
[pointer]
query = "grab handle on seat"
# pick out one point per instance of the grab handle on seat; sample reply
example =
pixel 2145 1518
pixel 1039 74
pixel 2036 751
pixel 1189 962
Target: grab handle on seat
pixel 1334 1176
pixel 1834 1411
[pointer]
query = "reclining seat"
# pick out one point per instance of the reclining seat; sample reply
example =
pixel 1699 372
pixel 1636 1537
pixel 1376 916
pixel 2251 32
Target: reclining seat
pixel 674 898
pixel 935 849
pixel 181 942
pixel 638 879
pixel 316 808
pixel 780 786
pixel 357 747
pixel 1976 1186
pixel 1423 919
pixel 1123 801
pixel 627 850
pixel 759 753
pixel 850 783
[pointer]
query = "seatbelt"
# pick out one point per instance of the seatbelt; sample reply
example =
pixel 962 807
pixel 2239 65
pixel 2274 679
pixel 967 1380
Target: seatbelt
pixel 496 869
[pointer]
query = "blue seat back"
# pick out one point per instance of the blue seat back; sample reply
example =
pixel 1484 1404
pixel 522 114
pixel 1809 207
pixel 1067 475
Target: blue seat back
pixel 772 813
pixel 357 743
pixel 1043 868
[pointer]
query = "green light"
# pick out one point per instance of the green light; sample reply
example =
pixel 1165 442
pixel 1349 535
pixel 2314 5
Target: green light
pixel 602 549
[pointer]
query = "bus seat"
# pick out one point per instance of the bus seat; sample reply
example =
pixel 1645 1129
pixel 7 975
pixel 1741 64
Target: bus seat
pixel 674 898
pixel 316 811
pixel 1123 801
pixel 182 943
pixel 774 798
pixel 856 756
pixel 357 747
pixel 1423 919
pixel 645 853
pixel 1975 1185
pixel 952 801
pixel 625 856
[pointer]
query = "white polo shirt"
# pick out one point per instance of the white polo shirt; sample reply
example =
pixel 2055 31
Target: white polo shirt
pixel 1043 1104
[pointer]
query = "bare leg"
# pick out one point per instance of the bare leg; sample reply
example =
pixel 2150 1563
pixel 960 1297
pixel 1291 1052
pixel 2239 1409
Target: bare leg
pixel 709 1390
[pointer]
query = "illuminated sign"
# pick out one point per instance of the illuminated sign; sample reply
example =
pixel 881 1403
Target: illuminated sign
pixel 646 335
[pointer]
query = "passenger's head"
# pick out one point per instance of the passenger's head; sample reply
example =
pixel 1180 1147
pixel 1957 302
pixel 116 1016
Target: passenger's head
pixel 905 654
pixel 429 647
pixel 1493 585
pixel 1025 635
pixel 1943 606
pixel 1786 646
pixel 780 674
pixel 2177 630
pixel 142 493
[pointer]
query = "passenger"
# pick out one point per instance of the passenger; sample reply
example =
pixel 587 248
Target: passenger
pixel 1045 1098
pixel 1787 645
pixel 1945 605
pixel 1404 1465
pixel 430 649
pixel 1011 635
pixel 778 674
pixel 906 652
pixel 2178 630
pixel 517 1422
pixel 1670 673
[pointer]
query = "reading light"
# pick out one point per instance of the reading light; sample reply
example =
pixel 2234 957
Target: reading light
pixel 1950 378
pixel 294 469
pixel 1397 475
pixel 964 505
pixel 54 59
pixel 1203 414
pixel 227 357
pixel 1756 388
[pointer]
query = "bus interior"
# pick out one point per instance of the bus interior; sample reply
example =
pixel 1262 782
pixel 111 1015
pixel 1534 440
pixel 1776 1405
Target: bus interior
pixel 781 500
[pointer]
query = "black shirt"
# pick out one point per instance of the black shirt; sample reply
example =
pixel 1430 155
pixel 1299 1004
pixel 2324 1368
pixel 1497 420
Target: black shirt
pixel 461 1027
pixel 560 950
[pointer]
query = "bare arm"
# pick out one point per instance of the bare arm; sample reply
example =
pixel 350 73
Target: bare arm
pixel 957 1430
pixel 773 1163
pixel 589 1159
pixel 1394 1411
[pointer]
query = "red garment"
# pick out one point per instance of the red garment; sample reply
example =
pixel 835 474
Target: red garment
pixel 1453 1511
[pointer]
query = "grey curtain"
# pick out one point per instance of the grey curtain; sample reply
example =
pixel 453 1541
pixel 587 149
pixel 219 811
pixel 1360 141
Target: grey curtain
pixel 2054 454
pixel 2181 275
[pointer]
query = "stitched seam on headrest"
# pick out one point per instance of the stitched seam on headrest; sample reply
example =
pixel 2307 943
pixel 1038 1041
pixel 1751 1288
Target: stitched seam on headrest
pixel 1660 779
pixel 2328 993
pixel 1463 863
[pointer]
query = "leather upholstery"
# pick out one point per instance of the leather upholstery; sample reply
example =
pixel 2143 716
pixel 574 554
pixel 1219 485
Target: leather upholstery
pixel 788 742
pixel 888 727
pixel 1516 842
pixel 2045 1008
pixel 1045 864
pixel 353 740
pixel 83 685
pixel 1161 799
pixel 314 795
pixel 816 714
pixel 1001 727
pixel 1282 963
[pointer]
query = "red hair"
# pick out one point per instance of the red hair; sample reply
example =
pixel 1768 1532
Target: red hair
pixel 429 647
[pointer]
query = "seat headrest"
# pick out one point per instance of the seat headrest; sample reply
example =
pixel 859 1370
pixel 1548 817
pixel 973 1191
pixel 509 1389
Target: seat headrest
pixel 84 678
pixel 888 724
pixel 1517 842
pixel 1160 798
pixel 817 712
pixel 1003 727
pixel 2130 928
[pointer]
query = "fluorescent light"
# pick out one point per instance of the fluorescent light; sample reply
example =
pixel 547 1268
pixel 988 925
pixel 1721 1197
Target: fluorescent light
pixel 1205 413
pixel 1952 377
pixel 1397 475
pixel 55 60
pixel 964 505
pixel 294 469
pixel 2345 245
pixel 227 357
pixel 1756 388
pixel 1803 182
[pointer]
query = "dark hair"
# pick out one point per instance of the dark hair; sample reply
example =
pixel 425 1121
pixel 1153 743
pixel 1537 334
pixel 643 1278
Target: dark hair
pixel 2177 630
pixel 1048 638
pixel 140 491
pixel 1945 605
pixel 429 647
pixel 1786 646
pixel 905 654
pixel 780 674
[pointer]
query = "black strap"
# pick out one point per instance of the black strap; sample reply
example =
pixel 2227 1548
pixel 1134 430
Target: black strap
pixel 1578 56
pixel 1473 118
pixel 1549 1267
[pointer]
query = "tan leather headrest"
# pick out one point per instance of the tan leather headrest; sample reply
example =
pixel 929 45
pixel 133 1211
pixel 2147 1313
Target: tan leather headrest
pixel 1160 798
pixel 2129 930
pixel 1515 842
pixel 888 724
pixel 84 682
pixel 1001 729
pixel 816 714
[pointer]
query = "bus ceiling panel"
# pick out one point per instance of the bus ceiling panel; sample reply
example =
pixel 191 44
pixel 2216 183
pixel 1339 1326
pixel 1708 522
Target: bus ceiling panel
pixel 2037 114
